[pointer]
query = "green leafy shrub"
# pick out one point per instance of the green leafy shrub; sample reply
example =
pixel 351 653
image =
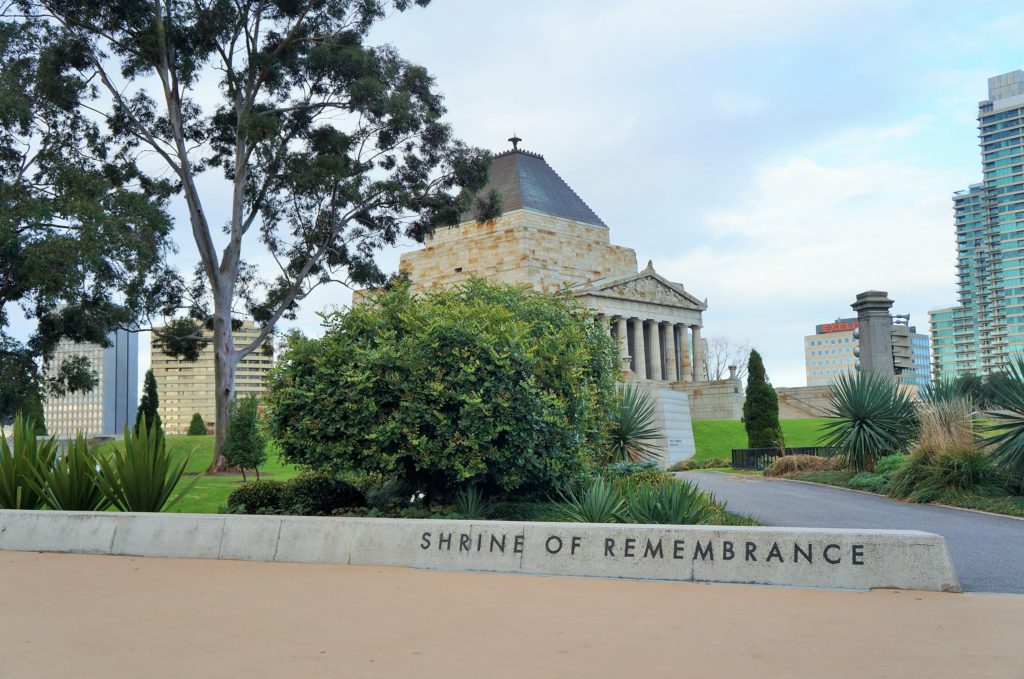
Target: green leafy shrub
pixel 386 493
pixel 679 502
pixel 479 382
pixel 142 476
pixel 601 502
pixel 888 464
pixel 314 493
pixel 870 417
pixel 963 471
pixel 245 446
pixel 70 484
pixel 197 427
pixel 257 496
pixel 470 503
pixel 21 463
pixel 633 435
pixel 617 469
pixel 875 483
pixel 760 407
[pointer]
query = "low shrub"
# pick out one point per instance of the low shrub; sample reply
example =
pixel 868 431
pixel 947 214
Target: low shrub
pixel 197 427
pixel 143 476
pixel 789 464
pixel 600 503
pixel 890 463
pixel 386 493
pixel 69 484
pixel 691 464
pixel 874 483
pixel 316 493
pixel 526 511
pixel 960 471
pixel 20 464
pixel 619 469
pixel 679 503
pixel 470 503
pixel 256 496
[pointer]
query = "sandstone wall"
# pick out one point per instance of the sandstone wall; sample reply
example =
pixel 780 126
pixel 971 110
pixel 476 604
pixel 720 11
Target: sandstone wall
pixel 802 403
pixel 718 400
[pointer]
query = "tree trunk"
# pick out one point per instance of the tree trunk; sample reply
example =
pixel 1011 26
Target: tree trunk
pixel 225 359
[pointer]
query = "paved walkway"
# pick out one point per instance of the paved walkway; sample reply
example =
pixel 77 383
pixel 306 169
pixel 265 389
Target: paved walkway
pixel 987 551
pixel 65 615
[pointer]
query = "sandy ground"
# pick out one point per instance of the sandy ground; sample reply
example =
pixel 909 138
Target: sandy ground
pixel 106 616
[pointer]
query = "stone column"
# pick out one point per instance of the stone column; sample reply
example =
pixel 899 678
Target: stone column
pixel 671 374
pixel 639 355
pixel 654 328
pixel 698 355
pixel 685 368
pixel 622 335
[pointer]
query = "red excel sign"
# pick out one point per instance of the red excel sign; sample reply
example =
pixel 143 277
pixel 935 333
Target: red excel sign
pixel 844 325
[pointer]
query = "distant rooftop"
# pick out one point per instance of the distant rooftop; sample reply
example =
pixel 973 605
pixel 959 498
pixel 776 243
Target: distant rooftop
pixel 526 182
pixel 1006 85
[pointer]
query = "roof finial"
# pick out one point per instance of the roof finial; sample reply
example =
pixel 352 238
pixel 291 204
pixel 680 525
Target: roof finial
pixel 515 141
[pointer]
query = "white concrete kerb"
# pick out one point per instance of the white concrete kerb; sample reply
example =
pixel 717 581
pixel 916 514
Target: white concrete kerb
pixel 795 557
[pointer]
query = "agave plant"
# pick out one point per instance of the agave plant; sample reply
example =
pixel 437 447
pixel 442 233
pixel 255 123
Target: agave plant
pixel 70 483
pixel 470 503
pixel 678 503
pixel 142 477
pixel 21 462
pixel 1007 429
pixel 600 503
pixel 945 389
pixel 634 436
pixel 870 416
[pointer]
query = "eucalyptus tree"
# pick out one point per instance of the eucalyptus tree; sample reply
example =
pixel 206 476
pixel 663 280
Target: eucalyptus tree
pixel 330 148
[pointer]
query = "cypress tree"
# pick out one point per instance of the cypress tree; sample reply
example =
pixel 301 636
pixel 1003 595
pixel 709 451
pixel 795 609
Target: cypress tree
pixel 197 427
pixel 34 409
pixel 761 407
pixel 149 404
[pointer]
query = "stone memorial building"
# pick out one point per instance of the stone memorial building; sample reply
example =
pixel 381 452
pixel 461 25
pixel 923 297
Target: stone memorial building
pixel 548 238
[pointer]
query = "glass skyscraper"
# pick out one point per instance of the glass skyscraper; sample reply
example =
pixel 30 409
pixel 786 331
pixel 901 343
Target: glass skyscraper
pixel 987 326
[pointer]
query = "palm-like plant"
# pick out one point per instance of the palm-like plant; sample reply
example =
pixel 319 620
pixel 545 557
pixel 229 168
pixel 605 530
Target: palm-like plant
pixel 634 436
pixel 870 416
pixel 19 464
pixel 470 503
pixel 142 477
pixel 600 503
pixel 945 389
pixel 70 483
pixel 1007 428
pixel 678 503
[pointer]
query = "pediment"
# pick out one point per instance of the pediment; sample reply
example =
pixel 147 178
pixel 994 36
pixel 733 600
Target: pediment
pixel 646 286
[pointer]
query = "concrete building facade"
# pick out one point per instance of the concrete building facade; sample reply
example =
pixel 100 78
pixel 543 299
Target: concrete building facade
pixel 188 387
pixel 832 351
pixel 108 408
pixel 986 327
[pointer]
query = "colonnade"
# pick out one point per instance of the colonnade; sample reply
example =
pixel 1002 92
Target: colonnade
pixel 657 350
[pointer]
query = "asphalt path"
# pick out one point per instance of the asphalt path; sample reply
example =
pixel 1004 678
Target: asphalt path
pixel 987 550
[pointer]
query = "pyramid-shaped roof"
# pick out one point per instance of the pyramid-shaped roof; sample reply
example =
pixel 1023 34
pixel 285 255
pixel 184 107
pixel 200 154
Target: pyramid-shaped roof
pixel 526 182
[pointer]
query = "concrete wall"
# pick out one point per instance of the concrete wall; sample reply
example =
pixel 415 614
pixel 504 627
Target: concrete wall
pixel 672 416
pixel 717 400
pixel 802 403
pixel 800 557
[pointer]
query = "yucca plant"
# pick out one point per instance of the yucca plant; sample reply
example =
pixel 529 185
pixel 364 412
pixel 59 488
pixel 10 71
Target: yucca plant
pixel 946 389
pixel 19 464
pixel 678 503
pixel 142 477
pixel 634 436
pixel 870 416
pixel 70 483
pixel 599 503
pixel 1006 433
pixel 470 503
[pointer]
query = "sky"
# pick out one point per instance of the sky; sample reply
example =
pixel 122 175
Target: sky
pixel 775 157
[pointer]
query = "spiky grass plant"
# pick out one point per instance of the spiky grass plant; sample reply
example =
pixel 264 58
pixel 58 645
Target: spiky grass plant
pixel 471 503
pixel 633 435
pixel 679 503
pixel 142 477
pixel 946 389
pixel 870 416
pixel 70 484
pixel 1006 433
pixel 601 502
pixel 20 462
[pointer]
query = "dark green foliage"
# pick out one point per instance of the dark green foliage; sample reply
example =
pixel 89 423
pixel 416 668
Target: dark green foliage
pixel 34 411
pixel 387 494
pixel 471 503
pixel 21 463
pixel 618 469
pixel 875 483
pixel 70 483
pixel 526 511
pixel 143 475
pixel 945 389
pixel 319 494
pixel 245 446
pixel 1006 434
pixel 196 427
pixel 488 207
pixel 257 497
pixel 679 502
pixel 869 417
pixel 633 435
pixel 889 463
pixel 480 383
pixel 601 502
pixel 953 472
pixel 147 414
pixel 760 407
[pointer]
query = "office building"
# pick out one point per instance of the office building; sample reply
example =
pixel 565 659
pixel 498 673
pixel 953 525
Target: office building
pixel 987 326
pixel 831 352
pixel 111 405
pixel 188 387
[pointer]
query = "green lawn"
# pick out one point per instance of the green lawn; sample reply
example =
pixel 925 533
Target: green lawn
pixel 211 492
pixel 717 438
